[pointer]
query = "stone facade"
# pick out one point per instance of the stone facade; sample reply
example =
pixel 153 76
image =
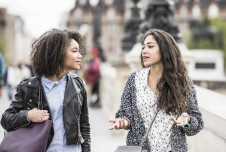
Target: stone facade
pixel 17 43
pixel 195 9
pixel 7 33
pixel 112 16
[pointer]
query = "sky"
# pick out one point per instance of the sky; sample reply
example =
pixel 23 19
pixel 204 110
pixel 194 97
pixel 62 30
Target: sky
pixel 38 15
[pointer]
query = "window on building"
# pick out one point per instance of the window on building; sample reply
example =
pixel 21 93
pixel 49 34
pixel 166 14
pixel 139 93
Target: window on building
pixel 183 12
pixel 196 12
pixel 200 65
pixel 82 2
pixel 78 14
pixel 213 11
pixel 111 14
pixel 109 2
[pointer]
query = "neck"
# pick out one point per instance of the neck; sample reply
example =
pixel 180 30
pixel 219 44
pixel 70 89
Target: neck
pixel 57 78
pixel 156 71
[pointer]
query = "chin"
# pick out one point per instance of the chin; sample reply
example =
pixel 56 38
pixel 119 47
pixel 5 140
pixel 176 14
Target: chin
pixel 77 68
pixel 147 65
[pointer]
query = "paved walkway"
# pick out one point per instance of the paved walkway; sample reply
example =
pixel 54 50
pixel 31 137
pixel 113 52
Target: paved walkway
pixel 102 140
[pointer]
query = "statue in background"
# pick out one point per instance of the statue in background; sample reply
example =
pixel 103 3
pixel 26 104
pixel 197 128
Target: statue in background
pixel 131 27
pixel 159 15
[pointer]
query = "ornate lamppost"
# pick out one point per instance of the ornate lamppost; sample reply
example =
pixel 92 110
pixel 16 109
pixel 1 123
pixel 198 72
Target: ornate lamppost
pixel 97 29
pixel 160 14
pixel 131 27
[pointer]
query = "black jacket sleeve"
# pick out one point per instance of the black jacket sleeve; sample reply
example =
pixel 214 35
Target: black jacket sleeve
pixel 15 116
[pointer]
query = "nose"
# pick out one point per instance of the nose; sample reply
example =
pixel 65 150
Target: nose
pixel 79 55
pixel 144 51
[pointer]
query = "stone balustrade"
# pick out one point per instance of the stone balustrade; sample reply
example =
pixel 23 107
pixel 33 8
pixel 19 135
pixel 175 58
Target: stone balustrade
pixel 213 137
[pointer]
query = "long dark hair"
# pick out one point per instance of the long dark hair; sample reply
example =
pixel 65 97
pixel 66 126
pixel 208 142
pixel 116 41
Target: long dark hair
pixel 173 86
pixel 49 51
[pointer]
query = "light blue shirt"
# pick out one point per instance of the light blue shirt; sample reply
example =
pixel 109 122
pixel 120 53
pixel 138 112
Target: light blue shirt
pixel 55 96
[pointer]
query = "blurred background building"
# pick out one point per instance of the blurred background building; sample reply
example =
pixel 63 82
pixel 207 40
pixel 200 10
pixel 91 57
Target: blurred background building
pixel 113 26
pixel 14 42
pixel 102 22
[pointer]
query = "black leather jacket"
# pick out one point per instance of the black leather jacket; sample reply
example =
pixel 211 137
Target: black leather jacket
pixel 75 110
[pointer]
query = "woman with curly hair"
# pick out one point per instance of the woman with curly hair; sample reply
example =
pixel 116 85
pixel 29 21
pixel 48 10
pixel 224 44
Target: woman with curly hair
pixel 160 99
pixel 53 55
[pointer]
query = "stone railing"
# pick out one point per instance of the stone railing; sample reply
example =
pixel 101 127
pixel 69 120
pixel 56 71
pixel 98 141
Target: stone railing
pixel 213 137
pixel 112 83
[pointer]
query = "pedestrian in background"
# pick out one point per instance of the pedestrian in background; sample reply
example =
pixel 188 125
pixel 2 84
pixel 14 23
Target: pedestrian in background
pixel 161 97
pixel 92 77
pixel 53 55
pixel 10 80
pixel 21 72
pixel 2 72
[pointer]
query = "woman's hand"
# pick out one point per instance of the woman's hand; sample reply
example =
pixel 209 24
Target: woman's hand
pixel 36 115
pixel 119 124
pixel 182 120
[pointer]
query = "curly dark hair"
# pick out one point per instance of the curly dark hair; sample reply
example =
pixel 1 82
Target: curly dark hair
pixel 173 87
pixel 49 51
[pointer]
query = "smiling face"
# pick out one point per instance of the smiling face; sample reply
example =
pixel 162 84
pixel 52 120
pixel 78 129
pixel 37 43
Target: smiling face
pixel 150 52
pixel 73 57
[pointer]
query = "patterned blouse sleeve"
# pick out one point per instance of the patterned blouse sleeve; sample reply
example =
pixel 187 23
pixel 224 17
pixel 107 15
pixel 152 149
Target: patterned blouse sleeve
pixel 126 101
pixel 196 123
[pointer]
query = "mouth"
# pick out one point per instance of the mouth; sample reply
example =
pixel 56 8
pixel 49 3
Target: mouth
pixel 145 58
pixel 79 62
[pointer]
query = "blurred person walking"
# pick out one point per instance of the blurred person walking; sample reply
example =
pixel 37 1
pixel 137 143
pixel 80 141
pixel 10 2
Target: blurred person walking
pixel 21 72
pixel 2 72
pixel 160 99
pixel 92 77
pixel 53 55
pixel 10 80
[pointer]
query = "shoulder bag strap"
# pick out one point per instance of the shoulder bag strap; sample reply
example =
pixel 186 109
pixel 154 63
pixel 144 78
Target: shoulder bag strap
pixel 40 102
pixel 146 134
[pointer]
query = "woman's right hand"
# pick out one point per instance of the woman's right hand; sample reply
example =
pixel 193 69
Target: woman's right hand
pixel 119 124
pixel 36 115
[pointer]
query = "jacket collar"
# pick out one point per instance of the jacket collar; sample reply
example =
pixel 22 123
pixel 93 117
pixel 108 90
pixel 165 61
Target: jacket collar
pixel 71 89
pixel 33 82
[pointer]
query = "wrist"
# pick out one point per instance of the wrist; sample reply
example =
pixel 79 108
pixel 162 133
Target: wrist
pixel 189 120
pixel 128 122
pixel 28 115
pixel 188 123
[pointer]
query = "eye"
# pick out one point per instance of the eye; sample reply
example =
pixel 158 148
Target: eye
pixel 150 46
pixel 74 50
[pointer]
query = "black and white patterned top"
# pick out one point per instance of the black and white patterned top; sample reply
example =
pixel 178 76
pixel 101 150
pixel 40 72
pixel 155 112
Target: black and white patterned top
pixel 138 105
pixel 161 128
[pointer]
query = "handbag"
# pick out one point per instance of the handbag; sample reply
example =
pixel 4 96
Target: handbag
pixel 136 148
pixel 32 138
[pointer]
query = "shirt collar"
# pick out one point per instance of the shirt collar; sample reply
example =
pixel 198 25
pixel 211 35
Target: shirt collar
pixel 50 84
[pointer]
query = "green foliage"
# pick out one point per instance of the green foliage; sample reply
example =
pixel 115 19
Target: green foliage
pixel 2 45
pixel 221 26
pixel 205 43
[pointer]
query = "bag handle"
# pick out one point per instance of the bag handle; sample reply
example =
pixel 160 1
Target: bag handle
pixel 146 134
pixel 40 103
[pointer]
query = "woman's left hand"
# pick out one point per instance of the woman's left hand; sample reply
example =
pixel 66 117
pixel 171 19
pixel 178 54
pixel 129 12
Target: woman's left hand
pixel 182 120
